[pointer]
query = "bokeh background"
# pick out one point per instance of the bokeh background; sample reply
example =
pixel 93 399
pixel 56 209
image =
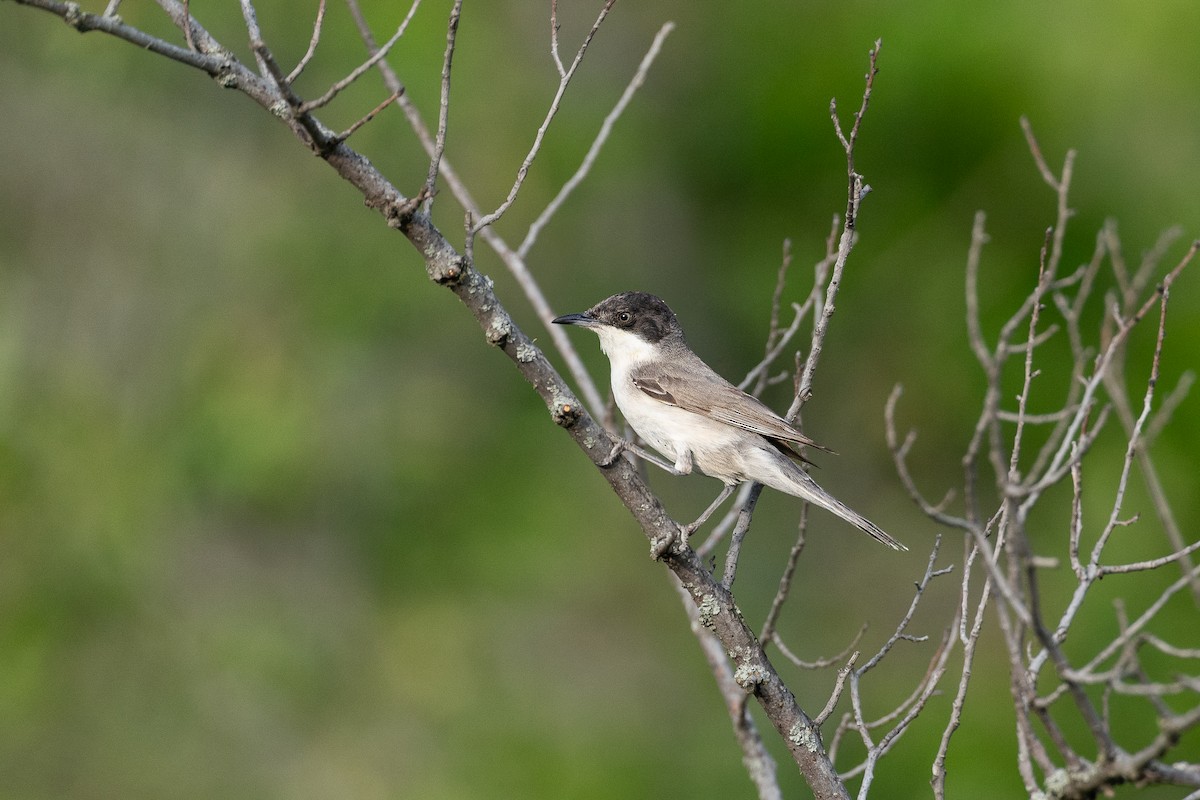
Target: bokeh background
pixel 275 522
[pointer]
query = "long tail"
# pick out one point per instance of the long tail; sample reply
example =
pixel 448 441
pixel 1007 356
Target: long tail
pixel 802 485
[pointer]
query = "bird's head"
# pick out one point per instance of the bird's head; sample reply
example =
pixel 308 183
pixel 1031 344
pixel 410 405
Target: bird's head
pixel 636 325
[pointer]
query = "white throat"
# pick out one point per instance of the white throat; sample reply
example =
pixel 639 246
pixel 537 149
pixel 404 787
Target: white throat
pixel 624 349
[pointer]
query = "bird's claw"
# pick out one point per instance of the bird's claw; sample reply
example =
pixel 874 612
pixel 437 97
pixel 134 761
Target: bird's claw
pixel 682 537
pixel 660 546
pixel 615 453
pixel 663 544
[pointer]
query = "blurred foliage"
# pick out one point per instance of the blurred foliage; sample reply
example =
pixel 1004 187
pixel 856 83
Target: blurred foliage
pixel 276 522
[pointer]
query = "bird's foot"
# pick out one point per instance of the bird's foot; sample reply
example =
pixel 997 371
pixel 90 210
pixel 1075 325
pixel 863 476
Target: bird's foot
pixel 615 453
pixel 661 545
pixel 676 540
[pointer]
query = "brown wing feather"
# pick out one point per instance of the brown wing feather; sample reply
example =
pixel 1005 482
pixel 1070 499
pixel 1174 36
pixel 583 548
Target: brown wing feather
pixel 716 398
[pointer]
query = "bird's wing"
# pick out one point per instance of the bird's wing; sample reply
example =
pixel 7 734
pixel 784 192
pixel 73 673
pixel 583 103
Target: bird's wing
pixel 702 391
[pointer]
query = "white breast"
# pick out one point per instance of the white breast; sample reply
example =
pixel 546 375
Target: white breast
pixel 682 436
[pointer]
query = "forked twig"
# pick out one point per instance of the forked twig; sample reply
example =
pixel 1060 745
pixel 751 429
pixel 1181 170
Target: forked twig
pixel 856 189
pixel 1012 570
pixel 523 170
pixel 606 127
pixel 562 343
pixel 376 57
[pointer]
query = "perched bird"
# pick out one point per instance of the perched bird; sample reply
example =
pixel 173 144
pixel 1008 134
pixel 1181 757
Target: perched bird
pixel 682 408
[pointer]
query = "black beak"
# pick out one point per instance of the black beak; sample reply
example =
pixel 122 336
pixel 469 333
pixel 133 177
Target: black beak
pixel 584 319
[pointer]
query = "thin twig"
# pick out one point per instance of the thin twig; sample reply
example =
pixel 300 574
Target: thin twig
pixel 555 27
pixel 744 517
pixel 855 191
pixel 838 687
pixel 1153 563
pixel 256 40
pixel 785 580
pixel 312 44
pixel 370 115
pixel 1027 383
pixel 969 640
pixel 439 142
pixel 376 57
pixel 777 295
pixel 820 663
pixel 1136 430
pixel 565 79
pixel 899 452
pixel 589 158
pixel 592 398
pixel 758 374
pixel 187 15
pixel 1170 403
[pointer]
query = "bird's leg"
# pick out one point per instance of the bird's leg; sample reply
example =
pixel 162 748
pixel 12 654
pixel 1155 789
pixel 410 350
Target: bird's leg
pixel 622 445
pixel 688 530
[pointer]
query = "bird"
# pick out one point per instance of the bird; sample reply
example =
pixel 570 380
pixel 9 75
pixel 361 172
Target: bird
pixel 682 408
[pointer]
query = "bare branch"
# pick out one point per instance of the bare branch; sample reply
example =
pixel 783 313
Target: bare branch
pixel 1154 563
pixel 370 115
pixel 312 44
pixel 900 717
pixel 856 189
pixel 900 634
pixel 744 517
pixel 777 295
pixel 205 56
pixel 1115 384
pixel 187 14
pixel 439 142
pixel 785 580
pixel 820 663
pixel 1013 476
pixel 758 374
pixel 757 760
pixel 974 330
pixel 1135 432
pixel 565 79
pixel 516 265
pixel 256 40
pixel 362 68
pixel 969 640
pixel 1098 372
pixel 849 142
pixel 899 452
pixel 1061 186
pixel 725 526
pixel 269 68
pixel 838 687
pixel 589 158
pixel 555 27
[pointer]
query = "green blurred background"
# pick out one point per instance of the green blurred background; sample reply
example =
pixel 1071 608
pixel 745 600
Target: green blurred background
pixel 276 522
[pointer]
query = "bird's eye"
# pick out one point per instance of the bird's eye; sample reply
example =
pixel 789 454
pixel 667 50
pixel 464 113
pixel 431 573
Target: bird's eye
pixel 624 317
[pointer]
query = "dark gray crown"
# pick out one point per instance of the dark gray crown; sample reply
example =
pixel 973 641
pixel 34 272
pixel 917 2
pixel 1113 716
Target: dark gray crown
pixel 638 312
